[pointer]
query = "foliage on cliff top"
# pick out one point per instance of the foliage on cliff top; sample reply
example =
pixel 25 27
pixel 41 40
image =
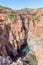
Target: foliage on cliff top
pixel 11 15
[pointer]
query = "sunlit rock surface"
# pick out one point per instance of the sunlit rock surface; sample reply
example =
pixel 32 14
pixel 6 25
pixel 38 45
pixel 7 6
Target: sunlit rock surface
pixel 20 28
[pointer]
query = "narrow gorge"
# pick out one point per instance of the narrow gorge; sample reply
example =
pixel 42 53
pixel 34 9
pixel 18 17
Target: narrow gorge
pixel 21 36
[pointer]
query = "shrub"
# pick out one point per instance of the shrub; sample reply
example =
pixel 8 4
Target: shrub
pixel 11 15
pixel 32 59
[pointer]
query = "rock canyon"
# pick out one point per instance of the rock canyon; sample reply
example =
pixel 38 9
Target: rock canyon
pixel 19 29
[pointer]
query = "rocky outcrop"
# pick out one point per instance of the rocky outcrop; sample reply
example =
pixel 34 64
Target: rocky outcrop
pixel 26 28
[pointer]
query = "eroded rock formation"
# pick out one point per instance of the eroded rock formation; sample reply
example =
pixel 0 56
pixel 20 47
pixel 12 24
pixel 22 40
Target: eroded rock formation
pixel 25 29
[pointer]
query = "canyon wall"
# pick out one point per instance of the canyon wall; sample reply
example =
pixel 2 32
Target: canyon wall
pixel 25 28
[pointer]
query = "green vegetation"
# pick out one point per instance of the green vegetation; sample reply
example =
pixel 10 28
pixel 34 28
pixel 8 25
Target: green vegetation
pixel 2 7
pixel 11 15
pixel 6 10
pixel 35 17
pixel 31 58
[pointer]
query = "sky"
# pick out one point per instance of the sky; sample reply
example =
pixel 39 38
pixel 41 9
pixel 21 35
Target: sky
pixel 20 4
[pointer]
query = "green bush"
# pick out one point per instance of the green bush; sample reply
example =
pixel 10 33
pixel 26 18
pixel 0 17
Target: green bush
pixel 32 59
pixel 11 15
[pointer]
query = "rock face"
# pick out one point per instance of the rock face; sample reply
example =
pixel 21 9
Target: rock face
pixel 25 28
pixel 4 61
